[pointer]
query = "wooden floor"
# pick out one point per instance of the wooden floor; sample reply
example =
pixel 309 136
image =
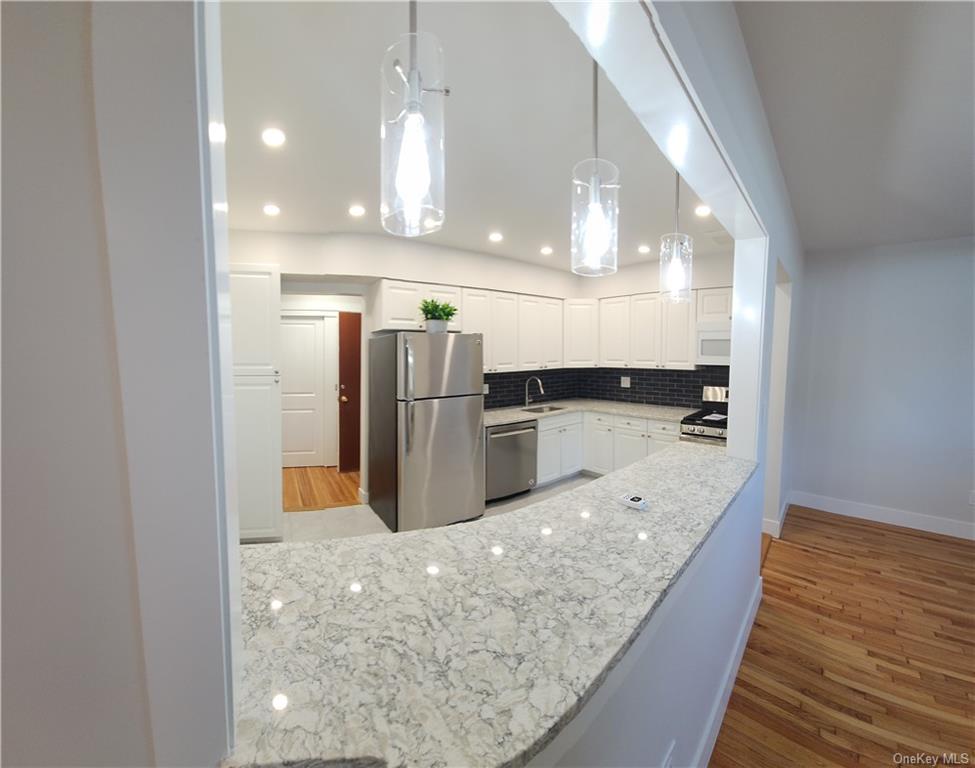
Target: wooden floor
pixel 863 647
pixel 308 488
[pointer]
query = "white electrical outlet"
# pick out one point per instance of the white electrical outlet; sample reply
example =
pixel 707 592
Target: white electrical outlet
pixel 487 388
pixel 625 382
pixel 668 760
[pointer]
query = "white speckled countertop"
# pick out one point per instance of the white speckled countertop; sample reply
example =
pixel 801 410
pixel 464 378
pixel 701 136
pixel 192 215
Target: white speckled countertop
pixel 469 645
pixel 495 416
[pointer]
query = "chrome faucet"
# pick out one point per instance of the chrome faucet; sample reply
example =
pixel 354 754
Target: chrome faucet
pixel 541 389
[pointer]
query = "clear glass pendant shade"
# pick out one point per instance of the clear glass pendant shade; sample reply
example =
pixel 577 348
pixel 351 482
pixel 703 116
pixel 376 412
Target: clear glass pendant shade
pixel 676 256
pixel 595 218
pixel 412 136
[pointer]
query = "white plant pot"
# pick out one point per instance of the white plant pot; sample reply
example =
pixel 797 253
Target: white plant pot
pixel 436 326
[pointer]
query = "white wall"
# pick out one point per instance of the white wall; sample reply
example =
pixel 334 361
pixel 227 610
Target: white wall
pixel 711 271
pixel 885 385
pixel 73 681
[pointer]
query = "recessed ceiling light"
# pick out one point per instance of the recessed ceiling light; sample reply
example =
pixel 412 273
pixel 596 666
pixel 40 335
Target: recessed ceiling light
pixel 495 237
pixel 357 210
pixel 270 209
pixel 644 249
pixel 273 137
pixel 546 250
pixel 703 210
pixel 218 133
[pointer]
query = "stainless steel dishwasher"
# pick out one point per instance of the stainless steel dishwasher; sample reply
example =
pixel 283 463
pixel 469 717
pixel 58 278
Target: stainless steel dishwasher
pixel 512 451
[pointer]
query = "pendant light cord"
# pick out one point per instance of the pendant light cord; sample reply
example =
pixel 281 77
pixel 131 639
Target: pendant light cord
pixel 413 4
pixel 677 204
pixel 595 109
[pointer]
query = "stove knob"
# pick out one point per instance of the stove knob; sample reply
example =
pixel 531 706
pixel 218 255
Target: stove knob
pixel 720 433
pixel 700 430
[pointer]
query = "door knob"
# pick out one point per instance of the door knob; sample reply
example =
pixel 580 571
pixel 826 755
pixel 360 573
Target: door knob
pixel 343 399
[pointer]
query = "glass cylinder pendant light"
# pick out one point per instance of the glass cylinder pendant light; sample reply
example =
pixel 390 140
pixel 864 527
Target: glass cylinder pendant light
pixel 676 256
pixel 412 134
pixel 595 205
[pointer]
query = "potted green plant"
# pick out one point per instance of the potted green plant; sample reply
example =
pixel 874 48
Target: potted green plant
pixel 437 314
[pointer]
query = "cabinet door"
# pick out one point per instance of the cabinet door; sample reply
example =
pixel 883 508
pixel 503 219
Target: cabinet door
pixel 571 449
pixel 714 309
pixel 551 351
pixel 628 446
pixel 645 330
pixel 450 294
pixel 549 456
pixel 529 333
pixel 477 319
pixel 504 326
pixel 400 303
pixel 659 442
pixel 580 330
pixel 255 308
pixel 679 333
pixel 257 403
pixel 598 448
pixel 614 332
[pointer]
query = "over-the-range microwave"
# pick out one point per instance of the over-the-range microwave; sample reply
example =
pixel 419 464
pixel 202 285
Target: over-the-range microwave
pixel 714 347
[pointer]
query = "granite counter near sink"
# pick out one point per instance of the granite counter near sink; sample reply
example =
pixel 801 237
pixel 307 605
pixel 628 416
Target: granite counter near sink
pixel 473 644
pixel 496 416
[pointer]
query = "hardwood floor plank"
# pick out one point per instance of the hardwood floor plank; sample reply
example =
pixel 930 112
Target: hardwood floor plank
pixel 863 646
pixel 311 488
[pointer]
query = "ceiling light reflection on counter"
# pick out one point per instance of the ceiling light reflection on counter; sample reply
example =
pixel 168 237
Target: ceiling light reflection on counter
pixel 496 550
pixel 433 569
pixel 595 205
pixel 642 535
pixel 276 605
pixel 546 531
pixel 412 134
pixel 279 702
pixel 355 586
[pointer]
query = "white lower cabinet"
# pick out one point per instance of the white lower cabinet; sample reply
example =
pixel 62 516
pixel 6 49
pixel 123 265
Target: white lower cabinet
pixel 257 400
pixel 560 451
pixel 628 446
pixel 598 444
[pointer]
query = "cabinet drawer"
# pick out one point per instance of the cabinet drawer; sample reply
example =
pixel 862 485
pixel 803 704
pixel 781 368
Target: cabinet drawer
pixel 557 422
pixel 663 428
pixel 627 423
pixel 600 418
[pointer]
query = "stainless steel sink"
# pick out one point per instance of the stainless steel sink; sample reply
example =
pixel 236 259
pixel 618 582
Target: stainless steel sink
pixel 544 408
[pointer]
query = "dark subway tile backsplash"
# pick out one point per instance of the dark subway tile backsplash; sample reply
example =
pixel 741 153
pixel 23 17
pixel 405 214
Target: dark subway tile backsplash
pixel 656 387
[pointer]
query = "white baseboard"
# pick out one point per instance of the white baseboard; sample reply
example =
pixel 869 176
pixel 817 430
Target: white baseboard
pixel 958 528
pixel 706 746
pixel 772 527
pixel 363 496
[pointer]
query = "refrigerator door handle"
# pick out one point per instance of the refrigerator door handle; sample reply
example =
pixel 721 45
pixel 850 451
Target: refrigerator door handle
pixel 410 371
pixel 410 417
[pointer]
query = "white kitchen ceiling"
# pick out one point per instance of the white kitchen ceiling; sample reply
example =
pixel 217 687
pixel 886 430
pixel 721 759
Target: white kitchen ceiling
pixel 518 119
pixel 871 108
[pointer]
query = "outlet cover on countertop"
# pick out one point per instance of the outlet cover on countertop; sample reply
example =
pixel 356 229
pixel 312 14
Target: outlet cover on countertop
pixel 625 382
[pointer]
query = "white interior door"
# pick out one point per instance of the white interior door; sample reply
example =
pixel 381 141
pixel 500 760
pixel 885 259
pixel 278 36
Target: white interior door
pixel 302 392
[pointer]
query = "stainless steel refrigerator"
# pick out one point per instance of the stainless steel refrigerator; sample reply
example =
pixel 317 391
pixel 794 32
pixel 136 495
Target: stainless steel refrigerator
pixel 426 436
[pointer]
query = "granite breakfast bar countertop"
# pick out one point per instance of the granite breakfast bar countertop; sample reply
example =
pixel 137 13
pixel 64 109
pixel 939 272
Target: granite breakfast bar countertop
pixel 472 644
pixel 495 416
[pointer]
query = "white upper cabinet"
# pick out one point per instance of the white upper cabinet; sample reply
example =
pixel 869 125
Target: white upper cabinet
pixel 645 330
pixel 714 309
pixel 504 326
pixel 398 304
pixel 581 333
pixel 679 340
pixel 614 332
pixel 539 333
pixel 495 316
pixel 255 305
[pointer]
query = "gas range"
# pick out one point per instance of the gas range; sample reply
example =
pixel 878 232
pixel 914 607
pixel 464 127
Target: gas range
pixel 711 422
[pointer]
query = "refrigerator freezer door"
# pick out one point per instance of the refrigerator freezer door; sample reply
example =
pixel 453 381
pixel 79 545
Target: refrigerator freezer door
pixel 440 474
pixel 439 365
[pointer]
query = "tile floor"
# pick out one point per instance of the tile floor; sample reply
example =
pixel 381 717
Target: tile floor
pixel 360 520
